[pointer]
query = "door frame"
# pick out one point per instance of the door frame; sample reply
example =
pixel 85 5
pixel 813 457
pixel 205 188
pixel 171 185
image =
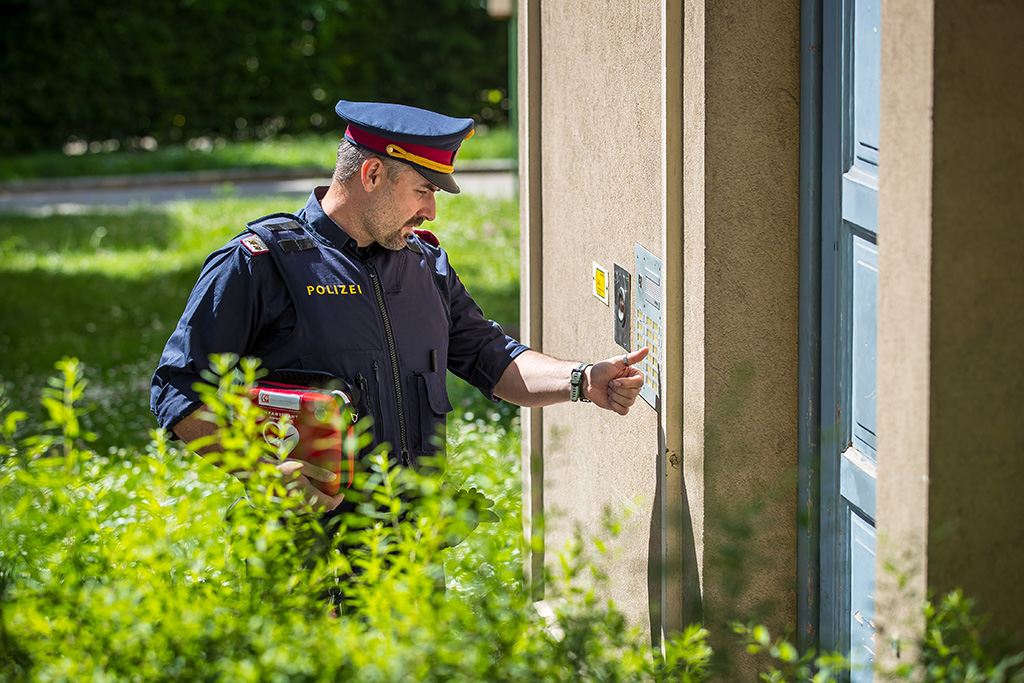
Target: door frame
pixel 810 318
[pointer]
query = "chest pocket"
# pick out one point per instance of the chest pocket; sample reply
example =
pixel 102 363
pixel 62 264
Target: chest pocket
pixel 432 410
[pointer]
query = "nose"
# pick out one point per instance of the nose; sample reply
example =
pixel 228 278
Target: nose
pixel 429 208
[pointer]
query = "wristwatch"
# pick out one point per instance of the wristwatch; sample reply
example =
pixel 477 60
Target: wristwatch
pixel 576 382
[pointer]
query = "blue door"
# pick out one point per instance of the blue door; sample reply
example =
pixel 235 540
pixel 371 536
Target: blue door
pixel 851 37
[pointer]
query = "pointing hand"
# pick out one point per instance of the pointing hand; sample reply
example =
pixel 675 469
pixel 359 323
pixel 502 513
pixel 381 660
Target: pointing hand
pixel 614 384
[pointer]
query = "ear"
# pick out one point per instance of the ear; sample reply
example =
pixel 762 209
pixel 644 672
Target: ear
pixel 372 173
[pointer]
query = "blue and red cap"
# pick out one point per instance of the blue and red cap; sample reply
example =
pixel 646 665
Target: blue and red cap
pixel 426 140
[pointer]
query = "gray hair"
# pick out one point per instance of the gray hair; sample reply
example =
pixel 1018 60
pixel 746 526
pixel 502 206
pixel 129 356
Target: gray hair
pixel 351 158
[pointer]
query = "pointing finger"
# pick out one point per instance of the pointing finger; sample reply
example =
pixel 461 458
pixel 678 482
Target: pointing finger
pixel 636 356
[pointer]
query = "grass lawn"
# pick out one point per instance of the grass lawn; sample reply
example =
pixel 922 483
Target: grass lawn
pixel 108 285
pixel 312 151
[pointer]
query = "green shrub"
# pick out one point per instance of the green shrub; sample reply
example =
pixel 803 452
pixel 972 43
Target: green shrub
pixel 129 567
pixel 150 564
pixel 786 663
pixel 956 646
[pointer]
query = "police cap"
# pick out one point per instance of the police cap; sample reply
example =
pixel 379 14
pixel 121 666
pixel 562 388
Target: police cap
pixel 426 140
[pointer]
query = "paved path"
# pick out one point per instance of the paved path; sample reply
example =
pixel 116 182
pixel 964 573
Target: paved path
pixel 69 195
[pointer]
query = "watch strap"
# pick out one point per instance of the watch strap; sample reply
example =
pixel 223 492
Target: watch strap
pixel 576 383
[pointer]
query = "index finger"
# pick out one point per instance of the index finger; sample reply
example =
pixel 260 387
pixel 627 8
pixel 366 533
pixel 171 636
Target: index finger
pixel 636 356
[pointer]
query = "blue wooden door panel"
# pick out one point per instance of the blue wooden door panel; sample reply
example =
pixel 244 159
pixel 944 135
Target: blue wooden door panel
pixel 850 146
pixel 867 76
pixel 860 197
pixel 862 604
pixel 864 335
pixel 857 477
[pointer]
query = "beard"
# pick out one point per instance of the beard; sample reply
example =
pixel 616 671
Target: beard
pixel 380 223
pixel 394 239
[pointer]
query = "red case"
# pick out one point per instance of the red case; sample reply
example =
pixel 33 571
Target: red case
pixel 316 431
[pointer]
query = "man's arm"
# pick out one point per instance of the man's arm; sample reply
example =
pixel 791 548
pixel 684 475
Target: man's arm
pixel 533 380
pixel 195 427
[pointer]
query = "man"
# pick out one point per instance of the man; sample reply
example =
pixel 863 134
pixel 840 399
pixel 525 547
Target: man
pixel 349 287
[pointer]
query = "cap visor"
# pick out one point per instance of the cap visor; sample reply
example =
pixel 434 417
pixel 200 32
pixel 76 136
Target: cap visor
pixel 442 180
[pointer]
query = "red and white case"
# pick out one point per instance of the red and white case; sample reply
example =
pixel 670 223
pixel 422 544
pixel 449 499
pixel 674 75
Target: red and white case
pixel 315 428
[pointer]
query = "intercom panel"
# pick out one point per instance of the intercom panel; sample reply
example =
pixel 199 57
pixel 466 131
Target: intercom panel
pixel 648 322
pixel 621 307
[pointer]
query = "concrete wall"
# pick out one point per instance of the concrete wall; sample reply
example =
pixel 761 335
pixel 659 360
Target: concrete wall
pixel 674 126
pixel 951 380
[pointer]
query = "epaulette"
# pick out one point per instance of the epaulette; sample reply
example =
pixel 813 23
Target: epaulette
pixel 277 222
pixel 281 223
pixel 428 237
pixel 254 244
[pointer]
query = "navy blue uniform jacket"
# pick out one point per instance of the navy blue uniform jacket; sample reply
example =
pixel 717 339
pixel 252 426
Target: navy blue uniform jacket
pixel 390 321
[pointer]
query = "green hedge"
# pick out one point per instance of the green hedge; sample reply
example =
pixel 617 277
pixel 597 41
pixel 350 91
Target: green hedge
pixel 182 69
pixel 131 567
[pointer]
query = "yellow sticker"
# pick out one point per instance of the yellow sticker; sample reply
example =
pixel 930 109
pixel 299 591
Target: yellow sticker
pixel 600 279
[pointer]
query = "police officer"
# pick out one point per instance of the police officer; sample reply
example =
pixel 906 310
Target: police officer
pixel 349 286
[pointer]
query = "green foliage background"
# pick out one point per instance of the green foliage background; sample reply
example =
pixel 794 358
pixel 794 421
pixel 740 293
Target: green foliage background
pixel 108 69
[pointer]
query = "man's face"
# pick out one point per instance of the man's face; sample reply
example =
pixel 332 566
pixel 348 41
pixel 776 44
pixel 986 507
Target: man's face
pixel 398 207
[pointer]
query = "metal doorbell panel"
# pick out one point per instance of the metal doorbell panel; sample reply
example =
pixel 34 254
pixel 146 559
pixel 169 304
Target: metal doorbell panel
pixel 648 322
pixel 621 306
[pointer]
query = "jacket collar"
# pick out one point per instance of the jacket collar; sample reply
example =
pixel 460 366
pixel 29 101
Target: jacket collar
pixel 325 227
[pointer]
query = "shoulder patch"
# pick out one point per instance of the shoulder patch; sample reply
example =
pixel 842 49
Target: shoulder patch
pixel 428 237
pixel 254 244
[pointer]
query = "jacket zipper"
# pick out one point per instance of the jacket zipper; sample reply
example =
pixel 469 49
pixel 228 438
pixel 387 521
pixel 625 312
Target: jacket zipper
pixel 379 292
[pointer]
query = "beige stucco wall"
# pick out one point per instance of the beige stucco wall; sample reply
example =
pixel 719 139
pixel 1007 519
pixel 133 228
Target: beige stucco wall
pixel 904 321
pixel 629 147
pixel 741 245
pixel 677 127
pixel 951 380
pixel 977 456
pixel 600 117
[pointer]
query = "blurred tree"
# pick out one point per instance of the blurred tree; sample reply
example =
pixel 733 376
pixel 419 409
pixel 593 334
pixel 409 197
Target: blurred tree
pixel 107 69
